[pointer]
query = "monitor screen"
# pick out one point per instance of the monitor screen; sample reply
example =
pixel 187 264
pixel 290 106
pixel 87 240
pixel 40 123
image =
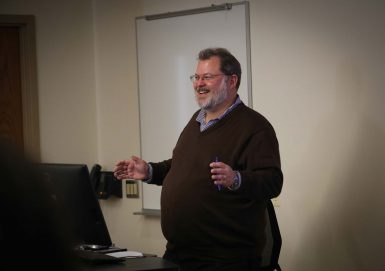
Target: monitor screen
pixel 72 191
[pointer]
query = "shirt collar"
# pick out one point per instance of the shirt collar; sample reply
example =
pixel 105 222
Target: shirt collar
pixel 202 113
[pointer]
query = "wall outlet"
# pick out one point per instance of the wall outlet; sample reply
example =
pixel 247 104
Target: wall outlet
pixel 132 189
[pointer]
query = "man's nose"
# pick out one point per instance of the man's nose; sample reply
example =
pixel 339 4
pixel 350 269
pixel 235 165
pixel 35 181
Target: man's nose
pixel 200 82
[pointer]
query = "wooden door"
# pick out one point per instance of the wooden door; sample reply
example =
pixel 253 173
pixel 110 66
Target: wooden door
pixel 11 112
pixel 19 114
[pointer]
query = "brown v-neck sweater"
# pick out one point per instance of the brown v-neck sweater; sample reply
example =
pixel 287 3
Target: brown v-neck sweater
pixel 201 222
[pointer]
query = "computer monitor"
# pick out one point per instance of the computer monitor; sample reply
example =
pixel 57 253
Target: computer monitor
pixel 74 195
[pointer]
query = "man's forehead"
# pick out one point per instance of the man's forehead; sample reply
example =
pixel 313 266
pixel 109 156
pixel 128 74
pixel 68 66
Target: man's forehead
pixel 211 64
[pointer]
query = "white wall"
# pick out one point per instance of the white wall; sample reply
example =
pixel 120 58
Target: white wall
pixel 317 72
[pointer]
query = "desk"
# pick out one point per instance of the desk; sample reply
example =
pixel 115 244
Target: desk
pixel 134 264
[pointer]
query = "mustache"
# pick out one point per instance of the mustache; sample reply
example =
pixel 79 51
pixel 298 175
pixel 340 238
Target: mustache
pixel 204 89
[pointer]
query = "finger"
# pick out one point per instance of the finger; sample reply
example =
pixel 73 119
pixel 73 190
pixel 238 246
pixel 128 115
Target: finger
pixel 218 171
pixel 119 176
pixel 218 177
pixel 120 171
pixel 118 167
pixel 121 163
pixel 135 158
pixel 220 182
pixel 216 164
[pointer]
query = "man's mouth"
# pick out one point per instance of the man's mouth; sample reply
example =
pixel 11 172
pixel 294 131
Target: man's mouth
pixel 202 90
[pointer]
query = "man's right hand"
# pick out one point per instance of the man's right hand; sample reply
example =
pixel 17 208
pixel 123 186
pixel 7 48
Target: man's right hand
pixel 134 168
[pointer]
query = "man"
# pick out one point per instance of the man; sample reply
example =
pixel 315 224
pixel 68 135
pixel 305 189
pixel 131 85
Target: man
pixel 224 167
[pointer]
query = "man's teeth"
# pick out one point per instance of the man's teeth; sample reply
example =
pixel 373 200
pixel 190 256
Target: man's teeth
pixel 202 91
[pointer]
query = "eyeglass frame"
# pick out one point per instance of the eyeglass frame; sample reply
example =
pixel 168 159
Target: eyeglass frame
pixel 205 77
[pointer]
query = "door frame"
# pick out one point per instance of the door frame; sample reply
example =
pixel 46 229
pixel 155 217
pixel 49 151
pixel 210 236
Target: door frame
pixel 29 90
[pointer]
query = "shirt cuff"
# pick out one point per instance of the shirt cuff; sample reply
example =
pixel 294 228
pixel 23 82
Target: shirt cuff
pixel 149 172
pixel 237 184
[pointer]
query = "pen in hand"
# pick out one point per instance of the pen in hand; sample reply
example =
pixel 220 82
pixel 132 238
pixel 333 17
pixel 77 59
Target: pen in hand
pixel 218 185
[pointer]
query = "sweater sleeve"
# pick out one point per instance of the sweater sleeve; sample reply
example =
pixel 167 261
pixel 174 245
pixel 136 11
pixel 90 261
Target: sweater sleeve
pixel 159 171
pixel 261 174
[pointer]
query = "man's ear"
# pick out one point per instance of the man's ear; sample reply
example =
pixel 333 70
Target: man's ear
pixel 233 81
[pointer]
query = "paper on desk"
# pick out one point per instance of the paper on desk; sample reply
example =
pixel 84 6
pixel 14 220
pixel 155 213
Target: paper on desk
pixel 125 254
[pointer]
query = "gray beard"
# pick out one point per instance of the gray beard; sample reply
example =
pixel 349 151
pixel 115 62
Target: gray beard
pixel 217 99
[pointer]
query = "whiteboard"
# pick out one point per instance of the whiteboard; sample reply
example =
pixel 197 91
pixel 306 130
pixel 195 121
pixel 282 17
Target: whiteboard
pixel 167 50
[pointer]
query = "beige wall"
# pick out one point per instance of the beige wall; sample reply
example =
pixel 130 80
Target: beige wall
pixel 317 72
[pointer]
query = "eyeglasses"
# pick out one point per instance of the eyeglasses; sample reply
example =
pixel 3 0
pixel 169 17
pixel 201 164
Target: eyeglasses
pixel 206 77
